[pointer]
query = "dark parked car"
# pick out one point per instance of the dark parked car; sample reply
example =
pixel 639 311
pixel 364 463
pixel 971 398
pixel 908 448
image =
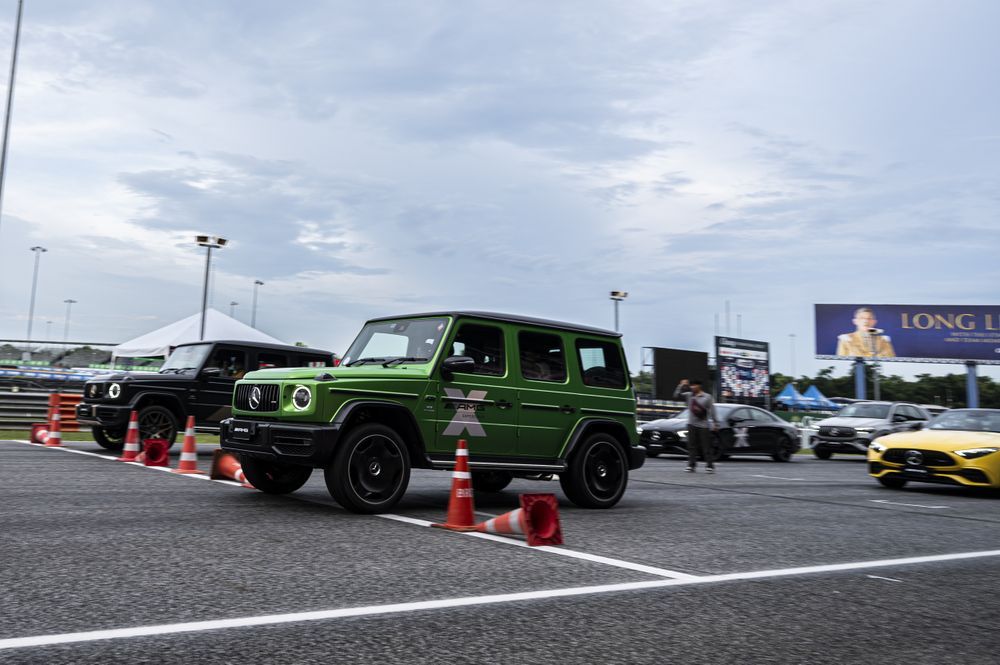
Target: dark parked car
pixel 747 430
pixel 197 379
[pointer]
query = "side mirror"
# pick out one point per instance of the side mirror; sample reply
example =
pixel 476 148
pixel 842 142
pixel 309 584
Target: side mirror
pixel 919 424
pixel 457 364
pixel 211 371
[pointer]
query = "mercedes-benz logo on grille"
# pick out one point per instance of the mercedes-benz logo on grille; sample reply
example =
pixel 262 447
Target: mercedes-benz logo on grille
pixel 834 431
pixel 255 398
pixel 914 457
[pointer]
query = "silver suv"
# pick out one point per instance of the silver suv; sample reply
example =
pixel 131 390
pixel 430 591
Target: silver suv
pixel 860 423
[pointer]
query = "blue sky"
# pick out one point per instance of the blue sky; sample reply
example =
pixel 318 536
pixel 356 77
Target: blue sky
pixel 376 158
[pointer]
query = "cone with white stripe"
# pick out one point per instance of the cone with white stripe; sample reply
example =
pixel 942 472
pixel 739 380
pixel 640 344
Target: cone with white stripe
pixel 54 439
pixel 131 439
pixel 226 466
pixel 460 507
pixel 189 451
pixel 537 520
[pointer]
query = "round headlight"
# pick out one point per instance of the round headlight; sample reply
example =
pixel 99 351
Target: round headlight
pixel 114 390
pixel 301 398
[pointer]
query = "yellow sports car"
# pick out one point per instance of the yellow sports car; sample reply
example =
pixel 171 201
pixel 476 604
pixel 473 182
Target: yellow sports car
pixel 959 447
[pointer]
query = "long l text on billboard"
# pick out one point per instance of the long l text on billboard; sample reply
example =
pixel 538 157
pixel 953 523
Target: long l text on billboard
pixel 922 333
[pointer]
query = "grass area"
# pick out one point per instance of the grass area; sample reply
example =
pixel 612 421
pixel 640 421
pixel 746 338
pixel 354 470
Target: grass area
pixel 22 435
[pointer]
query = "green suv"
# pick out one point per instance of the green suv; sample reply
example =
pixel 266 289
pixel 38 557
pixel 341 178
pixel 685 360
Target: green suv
pixel 531 397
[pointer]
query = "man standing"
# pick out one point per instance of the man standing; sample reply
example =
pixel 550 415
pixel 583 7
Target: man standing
pixel 866 341
pixel 701 413
pixel 683 391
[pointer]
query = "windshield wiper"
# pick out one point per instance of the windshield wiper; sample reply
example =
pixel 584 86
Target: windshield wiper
pixel 362 361
pixel 393 361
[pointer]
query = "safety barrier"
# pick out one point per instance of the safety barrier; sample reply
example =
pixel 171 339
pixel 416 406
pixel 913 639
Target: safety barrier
pixel 18 410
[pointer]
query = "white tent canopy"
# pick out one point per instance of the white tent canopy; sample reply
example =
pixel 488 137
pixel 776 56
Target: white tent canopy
pixel 217 326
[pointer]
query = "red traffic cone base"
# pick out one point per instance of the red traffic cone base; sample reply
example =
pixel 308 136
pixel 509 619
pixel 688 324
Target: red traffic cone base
pixel 460 506
pixel 537 520
pixel 154 452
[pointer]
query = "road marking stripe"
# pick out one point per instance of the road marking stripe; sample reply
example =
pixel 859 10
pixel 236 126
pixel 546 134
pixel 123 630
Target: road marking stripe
pixel 879 577
pixel 908 505
pixel 467 601
pixel 628 565
pixel 776 477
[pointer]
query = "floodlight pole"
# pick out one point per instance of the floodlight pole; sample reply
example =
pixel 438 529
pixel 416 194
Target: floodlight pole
pixel 10 102
pixel 69 303
pixel 253 311
pixel 209 243
pixel 617 297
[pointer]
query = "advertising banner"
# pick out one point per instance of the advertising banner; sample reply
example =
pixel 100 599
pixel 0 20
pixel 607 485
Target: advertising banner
pixel 744 371
pixel 913 333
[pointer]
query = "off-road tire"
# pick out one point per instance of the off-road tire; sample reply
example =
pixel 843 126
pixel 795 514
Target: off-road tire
pixel 597 474
pixel 491 481
pixel 370 469
pixel 157 422
pixel 108 439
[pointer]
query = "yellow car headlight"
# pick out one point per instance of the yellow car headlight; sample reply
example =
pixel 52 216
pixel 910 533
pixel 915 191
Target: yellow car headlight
pixel 973 453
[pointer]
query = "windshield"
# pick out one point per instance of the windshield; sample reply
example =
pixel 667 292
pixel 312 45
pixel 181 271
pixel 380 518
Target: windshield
pixel 865 411
pixel 398 342
pixel 185 358
pixel 970 420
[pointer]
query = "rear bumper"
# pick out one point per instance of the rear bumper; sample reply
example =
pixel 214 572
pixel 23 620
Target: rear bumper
pixel 310 445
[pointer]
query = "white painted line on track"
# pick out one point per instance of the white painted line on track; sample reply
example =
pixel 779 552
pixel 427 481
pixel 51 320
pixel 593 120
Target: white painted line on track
pixel 617 563
pixel 908 505
pixel 775 477
pixel 879 577
pixel 467 601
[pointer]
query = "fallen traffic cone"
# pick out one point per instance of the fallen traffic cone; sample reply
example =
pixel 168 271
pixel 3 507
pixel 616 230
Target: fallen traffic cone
pixel 460 507
pixel 154 452
pixel 225 466
pixel 131 440
pixel 39 432
pixel 189 453
pixel 537 520
pixel 54 439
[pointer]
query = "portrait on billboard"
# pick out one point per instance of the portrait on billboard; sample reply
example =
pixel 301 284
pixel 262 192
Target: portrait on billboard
pixel 866 340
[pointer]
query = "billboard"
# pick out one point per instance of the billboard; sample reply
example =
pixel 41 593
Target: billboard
pixel 672 365
pixel 914 333
pixel 744 371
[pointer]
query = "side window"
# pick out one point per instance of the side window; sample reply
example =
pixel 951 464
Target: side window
pixel 266 360
pixel 912 412
pixel 542 356
pixel 484 344
pixel 741 414
pixel 232 364
pixel 600 364
pixel 762 416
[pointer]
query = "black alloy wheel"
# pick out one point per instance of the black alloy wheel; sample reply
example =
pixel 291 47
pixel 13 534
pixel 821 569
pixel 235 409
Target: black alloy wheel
pixel 491 481
pixel 597 473
pixel 784 450
pixel 370 470
pixel 892 481
pixel 109 439
pixel 822 453
pixel 274 477
pixel 157 422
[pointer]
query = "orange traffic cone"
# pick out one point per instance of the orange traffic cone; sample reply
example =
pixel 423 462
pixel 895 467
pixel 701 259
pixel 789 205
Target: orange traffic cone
pixel 189 453
pixel 225 466
pixel 39 432
pixel 131 440
pixel 460 507
pixel 537 520
pixel 154 452
pixel 54 439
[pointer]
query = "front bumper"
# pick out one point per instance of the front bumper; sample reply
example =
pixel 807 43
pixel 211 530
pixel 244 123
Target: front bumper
pixel 310 445
pixel 110 416
pixel 966 476
pixel 856 446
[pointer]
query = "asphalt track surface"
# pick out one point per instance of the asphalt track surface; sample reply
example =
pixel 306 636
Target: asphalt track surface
pixel 806 562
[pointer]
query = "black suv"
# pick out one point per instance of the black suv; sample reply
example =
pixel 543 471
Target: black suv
pixel 197 379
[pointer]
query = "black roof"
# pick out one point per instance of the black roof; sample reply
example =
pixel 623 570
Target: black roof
pixel 508 318
pixel 259 345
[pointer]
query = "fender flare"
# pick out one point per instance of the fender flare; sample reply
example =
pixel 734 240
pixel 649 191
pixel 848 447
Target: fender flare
pixel 418 450
pixel 586 425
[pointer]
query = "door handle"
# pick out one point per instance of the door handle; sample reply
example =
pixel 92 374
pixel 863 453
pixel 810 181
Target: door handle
pixel 504 404
pixel 566 408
